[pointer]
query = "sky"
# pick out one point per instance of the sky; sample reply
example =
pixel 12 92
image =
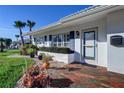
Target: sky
pixel 42 15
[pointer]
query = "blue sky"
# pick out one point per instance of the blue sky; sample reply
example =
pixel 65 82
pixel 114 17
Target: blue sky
pixel 42 15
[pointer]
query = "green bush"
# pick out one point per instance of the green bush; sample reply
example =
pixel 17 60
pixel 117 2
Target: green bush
pixel 31 51
pixel 57 50
pixel 30 46
pixel 47 58
pixel 42 54
pixel 24 49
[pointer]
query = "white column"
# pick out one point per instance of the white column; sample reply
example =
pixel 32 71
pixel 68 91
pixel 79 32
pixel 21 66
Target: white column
pixel 33 41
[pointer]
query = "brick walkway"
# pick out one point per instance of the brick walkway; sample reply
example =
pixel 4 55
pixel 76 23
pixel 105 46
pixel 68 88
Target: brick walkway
pixel 84 76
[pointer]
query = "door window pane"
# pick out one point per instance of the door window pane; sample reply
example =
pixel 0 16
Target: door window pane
pixel 89 44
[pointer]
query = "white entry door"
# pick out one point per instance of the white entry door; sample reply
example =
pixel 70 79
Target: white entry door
pixel 89 45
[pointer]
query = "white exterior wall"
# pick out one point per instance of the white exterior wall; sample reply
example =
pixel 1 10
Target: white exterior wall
pixel 101 43
pixel 115 26
pixel 102 40
pixel 77 50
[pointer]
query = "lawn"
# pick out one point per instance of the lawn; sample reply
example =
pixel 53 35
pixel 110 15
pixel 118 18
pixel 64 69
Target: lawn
pixel 11 69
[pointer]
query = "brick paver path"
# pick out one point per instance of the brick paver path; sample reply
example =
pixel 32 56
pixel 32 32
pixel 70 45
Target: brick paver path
pixel 92 76
pixel 80 76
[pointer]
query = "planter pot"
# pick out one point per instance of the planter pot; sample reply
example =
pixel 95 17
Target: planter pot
pixel 32 55
pixel 40 57
pixel 46 65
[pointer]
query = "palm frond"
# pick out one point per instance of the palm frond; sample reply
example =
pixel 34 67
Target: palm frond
pixel 30 24
pixel 19 24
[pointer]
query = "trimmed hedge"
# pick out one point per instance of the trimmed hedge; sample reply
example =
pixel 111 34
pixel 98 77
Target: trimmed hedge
pixel 57 50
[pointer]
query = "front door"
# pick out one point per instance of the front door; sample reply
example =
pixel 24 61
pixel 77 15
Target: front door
pixel 89 46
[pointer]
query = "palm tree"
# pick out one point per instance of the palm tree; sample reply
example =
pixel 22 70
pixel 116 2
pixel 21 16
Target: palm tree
pixel 20 25
pixel 30 24
pixel 1 44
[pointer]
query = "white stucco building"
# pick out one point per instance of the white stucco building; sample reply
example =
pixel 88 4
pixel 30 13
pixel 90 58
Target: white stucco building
pixel 96 35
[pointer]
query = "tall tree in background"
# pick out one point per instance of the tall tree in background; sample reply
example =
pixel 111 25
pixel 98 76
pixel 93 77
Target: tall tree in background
pixel 1 44
pixel 7 42
pixel 20 25
pixel 30 24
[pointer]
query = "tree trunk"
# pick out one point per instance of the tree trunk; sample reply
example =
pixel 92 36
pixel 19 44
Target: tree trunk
pixel 1 49
pixel 22 40
pixel 30 37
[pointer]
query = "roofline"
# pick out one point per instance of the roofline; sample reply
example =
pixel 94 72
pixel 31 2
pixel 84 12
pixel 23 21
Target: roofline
pixel 78 12
pixel 89 11
pixel 43 28
pixel 83 13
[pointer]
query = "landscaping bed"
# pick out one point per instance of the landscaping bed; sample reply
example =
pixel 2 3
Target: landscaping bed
pixel 56 80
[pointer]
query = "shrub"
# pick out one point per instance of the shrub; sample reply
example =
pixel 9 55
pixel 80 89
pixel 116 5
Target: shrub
pixel 36 78
pixel 24 49
pixel 31 51
pixel 47 58
pixel 57 50
pixel 30 46
pixel 42 54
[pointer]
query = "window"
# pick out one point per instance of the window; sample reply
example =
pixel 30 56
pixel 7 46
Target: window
pixel 37 40
pixel 60 40
pixel 54 40
pixel 45 38
pixel 40 40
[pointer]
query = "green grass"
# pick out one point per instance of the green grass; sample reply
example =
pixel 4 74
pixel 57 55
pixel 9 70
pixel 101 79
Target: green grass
pixel 11 69
pixel 8 52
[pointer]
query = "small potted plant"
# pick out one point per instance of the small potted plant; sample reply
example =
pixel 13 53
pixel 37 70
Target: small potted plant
pixel 31 52
pixel 46 60
pixel 41 56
